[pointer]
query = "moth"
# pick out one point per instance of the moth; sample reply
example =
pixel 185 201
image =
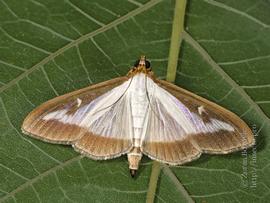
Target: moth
pixel 138 114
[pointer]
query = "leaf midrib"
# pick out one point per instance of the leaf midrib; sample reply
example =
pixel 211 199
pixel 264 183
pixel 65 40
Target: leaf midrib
pixel 81 39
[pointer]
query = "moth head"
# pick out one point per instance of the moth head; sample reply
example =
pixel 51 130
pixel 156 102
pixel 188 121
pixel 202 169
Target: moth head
pixel 142 63
pixel 141 66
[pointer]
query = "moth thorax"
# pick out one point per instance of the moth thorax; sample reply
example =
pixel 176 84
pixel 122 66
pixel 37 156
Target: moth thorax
pixel 134 158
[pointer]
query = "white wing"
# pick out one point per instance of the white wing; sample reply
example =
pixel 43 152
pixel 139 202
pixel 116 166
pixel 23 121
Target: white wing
pixel 100 128
pixel 109 123
pixel 179 131
pixel 106 115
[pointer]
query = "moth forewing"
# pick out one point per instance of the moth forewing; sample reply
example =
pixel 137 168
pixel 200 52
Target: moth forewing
pixel 59 125
pixel 136 115
pixel 239 138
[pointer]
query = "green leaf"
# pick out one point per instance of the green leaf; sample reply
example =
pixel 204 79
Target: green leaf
pixel 48 48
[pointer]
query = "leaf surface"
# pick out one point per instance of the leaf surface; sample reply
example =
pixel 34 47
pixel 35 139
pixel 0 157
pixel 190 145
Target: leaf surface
pixel 49 48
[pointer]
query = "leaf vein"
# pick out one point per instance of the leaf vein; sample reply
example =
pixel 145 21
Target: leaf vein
pixel 262 102
pixel 255 86
pixel 85 14
pixel 244 60
pixel 47 29
pixel 13 66
pixel 106 55
pixel 14 172
pixel 24 43
pixel 24 95
pixel 128 16
pixel 25 139
pixel 135 2
pixel 83 64
pixel 106 10
pixel 228 8
pixel 9 9
pixel 61 188
pixel 36 193
pixel 49 81
pixel 39 177
pixel 188 38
